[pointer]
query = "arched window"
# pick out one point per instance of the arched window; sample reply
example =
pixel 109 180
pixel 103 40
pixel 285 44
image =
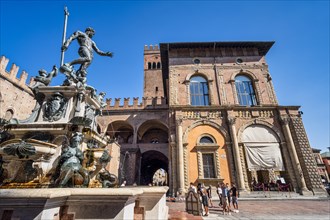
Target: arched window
pixel 208 149
pixel 158 65
pixel 245 92
pixel 149 65
pixel 154 65
pixel 199 92
pixel 206 140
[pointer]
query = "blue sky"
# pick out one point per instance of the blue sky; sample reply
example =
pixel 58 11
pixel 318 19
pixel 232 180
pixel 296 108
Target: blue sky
pixel 31 35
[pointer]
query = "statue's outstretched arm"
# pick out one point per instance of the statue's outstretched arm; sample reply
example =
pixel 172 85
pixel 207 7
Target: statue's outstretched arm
pixel 100 52
pixel 70 39
pixel 54 71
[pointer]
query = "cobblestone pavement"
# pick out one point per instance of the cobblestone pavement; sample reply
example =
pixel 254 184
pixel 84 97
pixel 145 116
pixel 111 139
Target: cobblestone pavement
pixel 262 209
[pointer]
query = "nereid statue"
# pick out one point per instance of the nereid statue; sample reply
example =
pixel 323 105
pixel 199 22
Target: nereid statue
pixel 71 164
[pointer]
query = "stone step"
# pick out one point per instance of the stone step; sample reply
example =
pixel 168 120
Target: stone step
pixel 269 194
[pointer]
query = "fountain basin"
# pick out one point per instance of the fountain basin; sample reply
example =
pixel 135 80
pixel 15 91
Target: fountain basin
pixel 85 203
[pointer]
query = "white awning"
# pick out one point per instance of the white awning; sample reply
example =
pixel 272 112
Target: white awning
pixel 262 148
pixel 264 156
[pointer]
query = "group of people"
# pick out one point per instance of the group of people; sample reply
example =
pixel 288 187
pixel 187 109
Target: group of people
pixel 226 196
pixel 279 185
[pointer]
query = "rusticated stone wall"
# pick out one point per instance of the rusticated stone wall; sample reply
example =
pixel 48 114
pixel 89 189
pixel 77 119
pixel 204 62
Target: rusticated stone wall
pixel 305 154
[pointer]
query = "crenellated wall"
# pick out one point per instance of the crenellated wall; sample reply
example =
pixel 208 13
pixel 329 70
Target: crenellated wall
pixel 151 48
pixel 11 75
pixel 16 99
pixel 147 102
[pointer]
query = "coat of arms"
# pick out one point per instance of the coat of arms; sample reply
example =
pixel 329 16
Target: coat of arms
pixel 55 107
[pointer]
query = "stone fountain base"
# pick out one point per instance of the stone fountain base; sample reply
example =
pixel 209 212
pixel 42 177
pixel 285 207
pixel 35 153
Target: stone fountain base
pixel 84 203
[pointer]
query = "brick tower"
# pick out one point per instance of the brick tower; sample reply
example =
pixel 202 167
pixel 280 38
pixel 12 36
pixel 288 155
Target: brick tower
pixel 153 80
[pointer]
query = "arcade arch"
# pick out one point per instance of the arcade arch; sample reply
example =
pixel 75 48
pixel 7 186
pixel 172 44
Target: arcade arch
pixel 121 131
pixel 152 131
pixel 151 162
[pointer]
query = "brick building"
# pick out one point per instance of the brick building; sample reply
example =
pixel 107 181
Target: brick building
pixel 16 99
pixel 321 166
pixel 326 160
pixel 209 114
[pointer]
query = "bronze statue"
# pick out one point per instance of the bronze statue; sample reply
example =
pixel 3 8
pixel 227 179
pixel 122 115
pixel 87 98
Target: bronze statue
pixel 87 45
pixel 44 78
pixel 104 176
pixel 71 164
pixel 100 98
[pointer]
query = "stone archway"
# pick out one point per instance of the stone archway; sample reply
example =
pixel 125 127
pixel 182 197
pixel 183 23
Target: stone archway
pixel 152 161
pixel 121 131
pixel 152 131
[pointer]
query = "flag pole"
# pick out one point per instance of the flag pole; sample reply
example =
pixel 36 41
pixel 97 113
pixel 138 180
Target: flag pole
pixel 66 14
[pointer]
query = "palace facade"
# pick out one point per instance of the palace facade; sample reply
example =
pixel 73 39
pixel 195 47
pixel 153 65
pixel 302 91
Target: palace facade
pixel 209 114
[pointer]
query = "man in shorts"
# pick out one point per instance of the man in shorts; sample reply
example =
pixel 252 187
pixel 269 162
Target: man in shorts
pixel 234 195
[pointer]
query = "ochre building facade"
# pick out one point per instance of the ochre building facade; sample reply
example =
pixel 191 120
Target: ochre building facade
pixel 209 114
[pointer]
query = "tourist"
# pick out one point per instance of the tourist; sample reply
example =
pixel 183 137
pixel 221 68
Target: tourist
pixel 209 194
pixel 199 186
pixel 254 184
pixel 234 196
pixel 224 199
pixel 203 193
pixel 180 196
pixel 228 195
pixel 219 192
pixel 192 188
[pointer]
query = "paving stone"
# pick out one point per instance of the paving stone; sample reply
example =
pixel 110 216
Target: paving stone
pixel 291 209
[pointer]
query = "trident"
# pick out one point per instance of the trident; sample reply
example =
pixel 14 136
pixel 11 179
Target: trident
pixel 66 14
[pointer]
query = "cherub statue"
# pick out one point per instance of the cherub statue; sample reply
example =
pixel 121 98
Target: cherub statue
pixel 44 78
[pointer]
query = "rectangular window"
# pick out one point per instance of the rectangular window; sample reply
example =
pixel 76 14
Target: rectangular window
pixel 199 93
pixel 208 166
pixel 245 93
